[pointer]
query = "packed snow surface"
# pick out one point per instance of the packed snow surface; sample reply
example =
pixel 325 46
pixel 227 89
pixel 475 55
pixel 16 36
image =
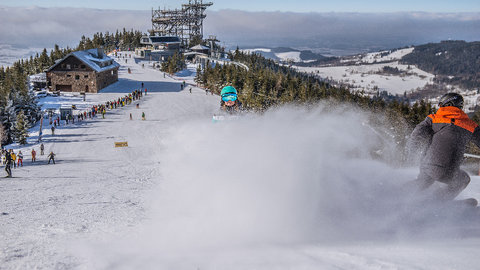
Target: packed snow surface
pixel 294 188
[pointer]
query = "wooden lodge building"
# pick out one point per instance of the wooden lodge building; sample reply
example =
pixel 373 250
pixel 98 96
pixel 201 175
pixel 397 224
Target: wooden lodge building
pixel 83 71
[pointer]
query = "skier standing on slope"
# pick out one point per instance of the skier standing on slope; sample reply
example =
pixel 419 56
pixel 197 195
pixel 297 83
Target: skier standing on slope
pixel 20 159
pixel 51 157
pixel 14 158
pixel 230 102
pixel 8 163
pixel 441 140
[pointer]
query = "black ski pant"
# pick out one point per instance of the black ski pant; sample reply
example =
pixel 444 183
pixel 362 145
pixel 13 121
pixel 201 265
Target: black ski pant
pixel 455 181
pixel 51 159
pixel 8 169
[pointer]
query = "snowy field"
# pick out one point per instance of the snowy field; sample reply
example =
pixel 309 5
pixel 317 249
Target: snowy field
pixel 364 74
pixel 366 77
pixel 290 189
pixel 293 56
pixel 382 56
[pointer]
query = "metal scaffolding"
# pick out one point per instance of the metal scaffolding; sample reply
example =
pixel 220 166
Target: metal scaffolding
pixel 186 23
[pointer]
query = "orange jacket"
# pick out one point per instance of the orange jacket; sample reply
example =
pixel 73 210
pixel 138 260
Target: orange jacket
pixel 441 139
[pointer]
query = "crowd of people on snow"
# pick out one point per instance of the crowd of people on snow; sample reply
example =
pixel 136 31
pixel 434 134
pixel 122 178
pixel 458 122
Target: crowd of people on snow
pixel 11 159
pixel 96 109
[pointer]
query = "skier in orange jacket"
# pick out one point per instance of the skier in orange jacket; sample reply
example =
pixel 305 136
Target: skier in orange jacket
pixel 441 140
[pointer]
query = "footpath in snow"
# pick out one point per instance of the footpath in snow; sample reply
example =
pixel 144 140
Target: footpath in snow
pixel 294 188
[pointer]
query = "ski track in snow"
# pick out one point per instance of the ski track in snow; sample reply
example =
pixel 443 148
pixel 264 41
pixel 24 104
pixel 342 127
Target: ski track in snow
pixel 179 198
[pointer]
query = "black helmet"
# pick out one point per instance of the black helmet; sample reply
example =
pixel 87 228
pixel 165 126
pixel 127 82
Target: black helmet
pixel 451 99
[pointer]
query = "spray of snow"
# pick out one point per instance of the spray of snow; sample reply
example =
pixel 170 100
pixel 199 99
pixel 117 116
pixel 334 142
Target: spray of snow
pixel 259 192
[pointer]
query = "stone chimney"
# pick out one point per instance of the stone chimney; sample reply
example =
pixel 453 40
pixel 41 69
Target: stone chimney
pixel 100 52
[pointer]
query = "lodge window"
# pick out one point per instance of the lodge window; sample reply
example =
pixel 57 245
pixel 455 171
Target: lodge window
pixel 85 76
pixel 68 66
pixel 75 66
pixel 82 66
pixel 77 77
pixel 68 75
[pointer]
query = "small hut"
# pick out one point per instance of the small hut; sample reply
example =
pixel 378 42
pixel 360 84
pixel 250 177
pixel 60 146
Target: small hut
pixel 65 111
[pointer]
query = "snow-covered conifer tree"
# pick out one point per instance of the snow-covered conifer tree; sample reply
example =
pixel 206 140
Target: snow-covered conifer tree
pixel 21 128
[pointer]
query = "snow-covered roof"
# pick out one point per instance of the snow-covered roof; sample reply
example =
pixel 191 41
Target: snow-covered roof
pixel 40 77
pixel 194 53
pixel 199 47
pixel 94 58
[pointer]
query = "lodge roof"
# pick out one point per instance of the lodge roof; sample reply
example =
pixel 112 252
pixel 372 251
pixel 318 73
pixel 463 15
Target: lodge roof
pixel 199 47
pixel 94 58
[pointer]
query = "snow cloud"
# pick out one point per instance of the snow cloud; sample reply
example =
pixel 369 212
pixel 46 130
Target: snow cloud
pixel 241 194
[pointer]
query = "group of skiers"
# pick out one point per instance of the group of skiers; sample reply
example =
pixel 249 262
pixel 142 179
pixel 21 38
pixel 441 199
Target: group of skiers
pixel 70 118
pixel 97 109
pixel 127 100
pixel 10 158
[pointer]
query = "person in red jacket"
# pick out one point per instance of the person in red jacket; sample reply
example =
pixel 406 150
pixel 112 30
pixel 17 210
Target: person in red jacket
pixel 440 140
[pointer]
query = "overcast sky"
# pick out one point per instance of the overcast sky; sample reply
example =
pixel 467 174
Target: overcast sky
pixel 271 5
pixel 37 27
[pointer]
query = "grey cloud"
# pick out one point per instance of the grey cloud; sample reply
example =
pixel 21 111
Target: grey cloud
pixel 43 27
pixel 354 31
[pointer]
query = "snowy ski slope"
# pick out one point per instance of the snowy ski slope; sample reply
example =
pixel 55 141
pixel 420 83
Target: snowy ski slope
pixel 191 194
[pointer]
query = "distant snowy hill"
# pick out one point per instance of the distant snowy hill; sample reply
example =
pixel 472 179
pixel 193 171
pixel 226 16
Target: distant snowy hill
pixel 452 61
pixel 287 55
pixel 382 56
pixel 419 72
pixel 373 72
